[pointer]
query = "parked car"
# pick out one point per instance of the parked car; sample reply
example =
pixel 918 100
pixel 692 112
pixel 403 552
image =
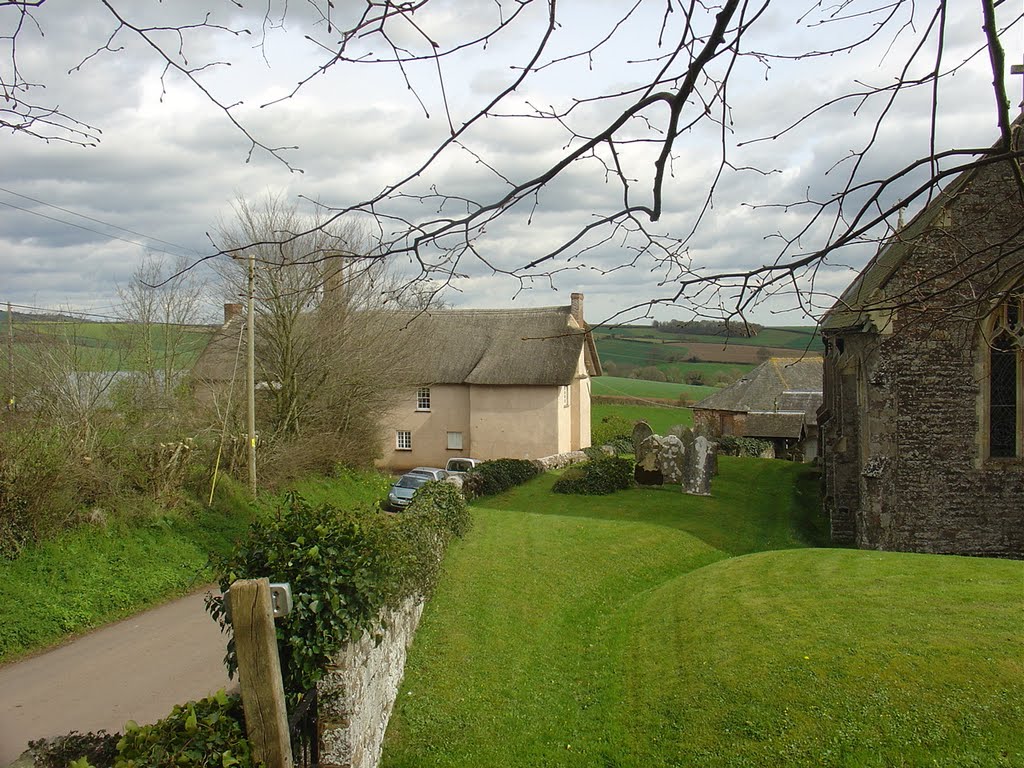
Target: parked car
pixel 432 472
pixel 405 487
pixel 460 466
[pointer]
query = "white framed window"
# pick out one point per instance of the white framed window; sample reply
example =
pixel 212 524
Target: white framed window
pixel 403 440
pixel 565 397
pixel 454 441
pixel 423 399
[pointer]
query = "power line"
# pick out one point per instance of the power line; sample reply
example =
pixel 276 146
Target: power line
pixel 98 221
pixel 73 314
pixel 89 229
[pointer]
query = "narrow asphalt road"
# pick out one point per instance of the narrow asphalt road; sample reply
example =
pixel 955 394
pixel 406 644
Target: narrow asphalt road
pixel 136 669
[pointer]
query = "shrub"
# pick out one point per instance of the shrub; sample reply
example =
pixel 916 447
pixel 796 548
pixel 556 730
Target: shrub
pixel 437 514
pixel 209 732
pixel 344 566
pixel 730 445
pixel 37 493
pixel 695 378
pixel 497 475
pixel 610 428
pixel 597 477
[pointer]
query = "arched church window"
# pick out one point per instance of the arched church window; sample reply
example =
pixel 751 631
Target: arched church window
pixel 1006 382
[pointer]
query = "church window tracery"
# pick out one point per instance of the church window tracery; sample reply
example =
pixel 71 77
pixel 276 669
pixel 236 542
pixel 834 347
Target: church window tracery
pixel 1005 401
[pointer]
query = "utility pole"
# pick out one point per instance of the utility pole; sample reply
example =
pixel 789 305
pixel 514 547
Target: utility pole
pixel 250 376
pixel 9 394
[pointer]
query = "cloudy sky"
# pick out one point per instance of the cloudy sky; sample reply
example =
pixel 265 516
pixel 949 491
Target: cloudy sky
pixel 75 222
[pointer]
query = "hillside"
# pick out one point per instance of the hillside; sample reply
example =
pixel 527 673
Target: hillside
pixel 646 352
pixel 95 346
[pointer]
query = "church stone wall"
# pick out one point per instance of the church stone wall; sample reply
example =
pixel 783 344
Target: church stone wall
pixel 905 463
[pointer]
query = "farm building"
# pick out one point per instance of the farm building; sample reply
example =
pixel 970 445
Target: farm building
pixel 777 402
pixel 922 413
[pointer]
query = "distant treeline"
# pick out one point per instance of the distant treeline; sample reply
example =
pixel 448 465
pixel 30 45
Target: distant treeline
pixel 709 327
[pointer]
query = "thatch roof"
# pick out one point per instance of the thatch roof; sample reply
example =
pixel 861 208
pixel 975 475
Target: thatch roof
pixel 867 291
pixel 780 384
pixel 501 346
pixel 538 346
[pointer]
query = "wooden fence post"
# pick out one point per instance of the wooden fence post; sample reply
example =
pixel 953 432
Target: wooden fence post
pixel 259 672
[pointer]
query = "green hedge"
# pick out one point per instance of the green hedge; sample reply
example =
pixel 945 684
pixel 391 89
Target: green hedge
pixel 344 566
pixel 493 477
pixel 597 477
pixel 730 445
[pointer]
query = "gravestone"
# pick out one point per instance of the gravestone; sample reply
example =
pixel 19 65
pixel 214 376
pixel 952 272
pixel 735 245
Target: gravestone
pixel 701 467
pixel 641 431
pixel 677 430
pixel 647 470
pixel 672 459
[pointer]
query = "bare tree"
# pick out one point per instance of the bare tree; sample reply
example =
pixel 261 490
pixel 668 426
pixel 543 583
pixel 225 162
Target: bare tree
pixel 160 307
pixel 684 64
pixel 330 361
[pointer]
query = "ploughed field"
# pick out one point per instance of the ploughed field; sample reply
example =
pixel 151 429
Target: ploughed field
pixel 649 628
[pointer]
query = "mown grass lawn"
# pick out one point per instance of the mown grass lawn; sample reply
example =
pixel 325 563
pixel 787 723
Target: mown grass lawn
pixel 650 628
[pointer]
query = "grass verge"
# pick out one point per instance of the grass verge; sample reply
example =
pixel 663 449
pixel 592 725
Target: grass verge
pixel 94 574
pixel 649 628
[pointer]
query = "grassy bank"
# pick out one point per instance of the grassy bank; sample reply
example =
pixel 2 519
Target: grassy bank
pixel 98 573
pixel 649 628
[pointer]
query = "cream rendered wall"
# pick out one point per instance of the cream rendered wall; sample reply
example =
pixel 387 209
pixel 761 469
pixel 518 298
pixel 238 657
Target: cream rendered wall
pixel 449 412
pixel 518 422
pixel 580 429
pixel 495 422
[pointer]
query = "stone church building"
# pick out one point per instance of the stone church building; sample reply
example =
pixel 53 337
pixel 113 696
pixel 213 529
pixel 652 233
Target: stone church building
pixel 921 423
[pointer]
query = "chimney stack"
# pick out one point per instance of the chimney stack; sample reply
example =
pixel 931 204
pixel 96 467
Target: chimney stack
pixel 577 309
pixel 230 311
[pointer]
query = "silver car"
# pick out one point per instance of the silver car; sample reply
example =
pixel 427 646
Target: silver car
pixel 432 472
pixel 404 488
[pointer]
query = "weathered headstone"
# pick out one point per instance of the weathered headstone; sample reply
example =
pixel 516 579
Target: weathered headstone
pixel 701 466
pixel 647 470
pixel 672 459
pixel 641 431
pixel 677 430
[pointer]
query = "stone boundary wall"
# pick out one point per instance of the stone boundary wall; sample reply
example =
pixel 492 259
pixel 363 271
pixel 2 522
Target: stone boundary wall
pixel 358 692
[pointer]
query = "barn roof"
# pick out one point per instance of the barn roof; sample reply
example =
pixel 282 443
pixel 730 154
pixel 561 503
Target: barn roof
pixel 771 424
pixel 778 384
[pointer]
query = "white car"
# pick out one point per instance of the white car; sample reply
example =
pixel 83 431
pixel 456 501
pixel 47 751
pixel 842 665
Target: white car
pixel 460 466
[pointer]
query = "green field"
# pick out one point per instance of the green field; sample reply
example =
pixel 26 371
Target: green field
pixel 790 337
pixel 107 346
pixel 657 390
pixel 650 628
pixel 660 419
